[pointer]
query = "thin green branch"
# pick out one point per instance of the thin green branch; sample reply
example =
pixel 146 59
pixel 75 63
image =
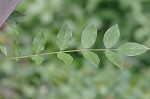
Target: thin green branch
pixel 51 53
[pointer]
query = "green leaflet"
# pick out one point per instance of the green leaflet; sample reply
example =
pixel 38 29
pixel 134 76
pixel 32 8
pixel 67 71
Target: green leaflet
pixel 13 28
pixel 89 36
pixel 39 42
pixel 92 57
pixel 3 49
pixel 111 36
pixel 115 58
pixel 64 37
pixel 132 49
pixel 15 48
pixel 15 16
pixel 37 59
pixel 68 59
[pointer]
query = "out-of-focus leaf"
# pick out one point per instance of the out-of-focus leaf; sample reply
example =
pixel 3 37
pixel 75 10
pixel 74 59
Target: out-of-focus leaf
pixel 14 29
pixel 115 58
pixel 15 48
pixel 64 37
pixel 37 59
pixel 92 57
pixel 15 16
pixel 89 36
pixel 39 42
pixel 111 36
pixel 3 49
pixel 68 59
pixel 132 49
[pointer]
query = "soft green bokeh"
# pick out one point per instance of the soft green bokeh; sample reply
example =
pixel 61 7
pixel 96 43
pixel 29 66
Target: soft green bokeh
pixel 81 80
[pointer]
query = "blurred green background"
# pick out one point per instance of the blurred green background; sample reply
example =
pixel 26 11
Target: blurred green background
pixel 53 79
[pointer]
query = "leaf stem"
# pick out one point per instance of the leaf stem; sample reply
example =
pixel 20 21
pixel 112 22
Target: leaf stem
pixel 51 53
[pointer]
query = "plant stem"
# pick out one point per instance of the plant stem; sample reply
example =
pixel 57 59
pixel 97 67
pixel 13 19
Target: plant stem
pixel 51 53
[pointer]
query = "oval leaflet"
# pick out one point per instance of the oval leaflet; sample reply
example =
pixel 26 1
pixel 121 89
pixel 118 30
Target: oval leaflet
pixel 132 49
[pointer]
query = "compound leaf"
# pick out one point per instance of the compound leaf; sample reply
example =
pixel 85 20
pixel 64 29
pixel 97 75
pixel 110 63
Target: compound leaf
pixel 111 36
pixel 89 36
pixel 92 57
pixel 64 37
pixel 132 49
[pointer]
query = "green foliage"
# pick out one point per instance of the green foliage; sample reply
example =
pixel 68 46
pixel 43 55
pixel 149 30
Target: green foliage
pixel 64 37
pixel 115 58
pixel 68 59
pixel 63 41
pixel 3 49
pixel 92 57
pixel 89 36
pixel 16 48
pixel 111 36
pixel 110 39
pixel 39 42
pixel 52 80
pixel 37 59
pixel 88 39
pixel 38 46
pixel 132 49
pixel 14 29
pixel 15 16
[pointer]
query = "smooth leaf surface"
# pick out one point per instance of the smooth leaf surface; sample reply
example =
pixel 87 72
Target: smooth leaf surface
pixel 15 48
pixel 115 58
pixel 37 59
pixel 64 37
pixel 92 57
pixel 89 36
pixel 111 36
pixel 132 49
pixel 68 59
pixel 39 42
pixel 3 49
